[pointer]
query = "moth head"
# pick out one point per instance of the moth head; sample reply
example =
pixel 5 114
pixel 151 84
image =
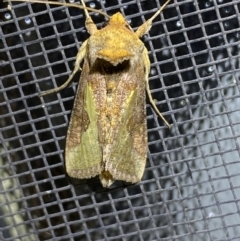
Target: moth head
pixel 117 18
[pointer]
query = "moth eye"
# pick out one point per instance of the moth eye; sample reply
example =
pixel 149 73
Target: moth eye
pixel 128 27
pixel 105 24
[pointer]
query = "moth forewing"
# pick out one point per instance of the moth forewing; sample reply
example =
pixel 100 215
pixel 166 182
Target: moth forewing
pixel 81 159
pixel 107 133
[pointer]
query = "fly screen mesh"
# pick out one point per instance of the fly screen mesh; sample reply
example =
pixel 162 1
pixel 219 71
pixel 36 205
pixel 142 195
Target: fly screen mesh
pixel 191 185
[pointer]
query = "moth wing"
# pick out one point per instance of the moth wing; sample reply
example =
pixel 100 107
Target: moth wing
pixel 127 157
pixel 128 154
pixel 82 153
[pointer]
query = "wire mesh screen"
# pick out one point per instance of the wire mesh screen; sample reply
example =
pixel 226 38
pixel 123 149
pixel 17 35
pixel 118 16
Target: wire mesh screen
pixel 190 189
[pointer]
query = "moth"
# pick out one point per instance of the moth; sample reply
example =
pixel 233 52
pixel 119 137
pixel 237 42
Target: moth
pixel 107 133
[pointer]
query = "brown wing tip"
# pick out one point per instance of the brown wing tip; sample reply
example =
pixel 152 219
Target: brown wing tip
pixel 83 173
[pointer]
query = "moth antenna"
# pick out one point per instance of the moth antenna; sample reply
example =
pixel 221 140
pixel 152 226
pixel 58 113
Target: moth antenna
pixel 85 10
pixel 89 24
pixel 159 11
pixel 144 28
pixel 64 4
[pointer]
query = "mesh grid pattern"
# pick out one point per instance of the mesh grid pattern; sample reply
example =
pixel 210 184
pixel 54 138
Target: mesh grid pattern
pixel 190 189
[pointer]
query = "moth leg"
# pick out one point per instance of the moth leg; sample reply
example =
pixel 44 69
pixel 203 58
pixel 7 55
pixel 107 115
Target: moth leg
pixel 147 68
pixel 80 56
